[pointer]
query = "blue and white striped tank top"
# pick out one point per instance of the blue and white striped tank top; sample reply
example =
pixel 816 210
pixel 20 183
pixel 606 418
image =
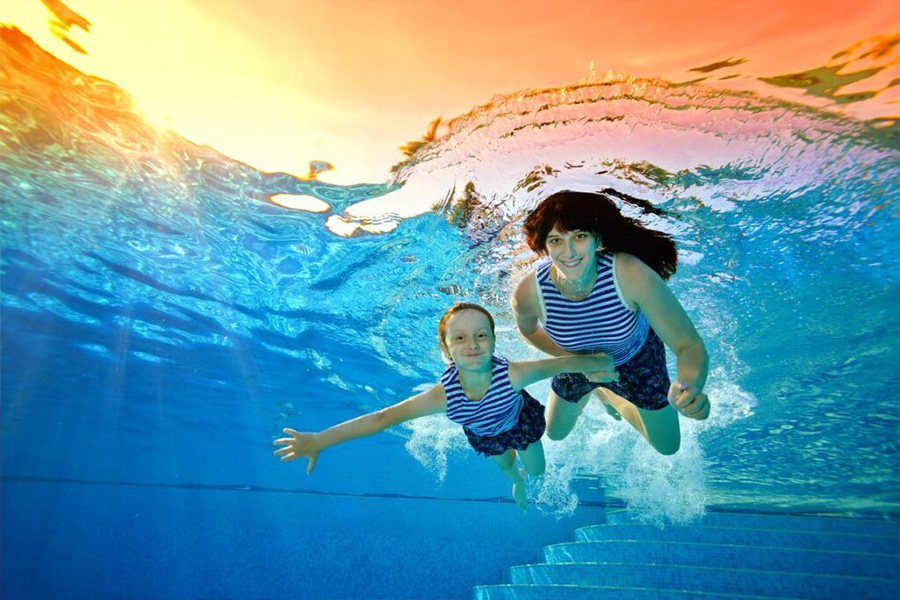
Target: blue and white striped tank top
pixel 496 412
pixel 601 322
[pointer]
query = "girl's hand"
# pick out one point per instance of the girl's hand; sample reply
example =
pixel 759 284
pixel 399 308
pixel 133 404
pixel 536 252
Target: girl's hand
pixel 688 400
pixel 299 444
pixel 603 369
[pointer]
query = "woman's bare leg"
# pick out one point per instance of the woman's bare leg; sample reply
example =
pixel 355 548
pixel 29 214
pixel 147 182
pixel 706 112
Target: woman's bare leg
pixel 562 415
pixel 659 427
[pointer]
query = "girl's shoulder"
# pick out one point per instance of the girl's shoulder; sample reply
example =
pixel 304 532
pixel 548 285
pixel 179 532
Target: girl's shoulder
pixel 449 374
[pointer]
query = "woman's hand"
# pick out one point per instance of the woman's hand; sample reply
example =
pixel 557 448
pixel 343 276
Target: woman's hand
pixel 603 369
pixel 299 444
pixel 688 400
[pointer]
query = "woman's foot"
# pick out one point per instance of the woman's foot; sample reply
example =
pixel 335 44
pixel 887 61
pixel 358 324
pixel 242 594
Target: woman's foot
pixel 610 409
pixel 518 490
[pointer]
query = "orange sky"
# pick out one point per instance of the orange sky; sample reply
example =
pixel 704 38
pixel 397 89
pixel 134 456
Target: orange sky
pixel 277 83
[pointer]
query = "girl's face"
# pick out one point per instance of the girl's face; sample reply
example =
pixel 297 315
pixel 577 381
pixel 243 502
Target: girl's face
pixel 469 341
pixel 573 253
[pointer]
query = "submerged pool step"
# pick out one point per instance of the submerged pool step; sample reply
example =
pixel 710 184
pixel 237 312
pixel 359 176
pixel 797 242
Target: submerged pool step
pixel 593 592
pixel 723 555
pixel 735 520
pixel 741 582
pixel 840 542
pixel 766 558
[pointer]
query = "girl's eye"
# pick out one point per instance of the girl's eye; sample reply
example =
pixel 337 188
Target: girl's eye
pixel 482 335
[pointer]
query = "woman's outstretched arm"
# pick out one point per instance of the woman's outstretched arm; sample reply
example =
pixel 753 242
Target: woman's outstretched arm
pixel 643 287
pixel 310 444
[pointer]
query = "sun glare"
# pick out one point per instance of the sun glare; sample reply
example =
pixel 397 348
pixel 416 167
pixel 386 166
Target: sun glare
pixel 194 73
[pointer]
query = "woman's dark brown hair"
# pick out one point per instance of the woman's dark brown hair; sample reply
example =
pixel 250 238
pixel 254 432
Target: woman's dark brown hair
pixel 597 213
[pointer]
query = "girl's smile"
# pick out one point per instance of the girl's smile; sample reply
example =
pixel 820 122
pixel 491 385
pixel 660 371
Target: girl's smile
pixel 469 341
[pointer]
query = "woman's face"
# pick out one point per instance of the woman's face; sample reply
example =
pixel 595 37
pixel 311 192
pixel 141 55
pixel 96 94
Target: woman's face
pixel 573 253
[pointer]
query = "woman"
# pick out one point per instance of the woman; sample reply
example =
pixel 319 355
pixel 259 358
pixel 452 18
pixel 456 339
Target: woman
pixel 603 290
pixel 482 392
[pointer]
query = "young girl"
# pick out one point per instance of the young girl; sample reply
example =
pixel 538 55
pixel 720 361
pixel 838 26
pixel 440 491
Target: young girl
pixel 482 392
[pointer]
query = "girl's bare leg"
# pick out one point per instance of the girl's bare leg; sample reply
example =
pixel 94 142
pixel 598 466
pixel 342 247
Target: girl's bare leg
pixel 507 464
pixel 533 458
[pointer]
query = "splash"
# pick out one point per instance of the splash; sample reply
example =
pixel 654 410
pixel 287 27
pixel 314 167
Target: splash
pixel 433 439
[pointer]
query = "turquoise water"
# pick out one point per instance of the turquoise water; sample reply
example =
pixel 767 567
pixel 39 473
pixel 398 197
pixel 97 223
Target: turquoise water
pixel 162 320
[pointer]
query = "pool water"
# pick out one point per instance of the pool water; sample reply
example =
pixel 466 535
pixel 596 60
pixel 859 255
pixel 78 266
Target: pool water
pixel 164 316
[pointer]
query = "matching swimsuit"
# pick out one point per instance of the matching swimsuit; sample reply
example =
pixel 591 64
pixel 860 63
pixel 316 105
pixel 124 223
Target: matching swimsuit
pixel 602 322
pixel 502 419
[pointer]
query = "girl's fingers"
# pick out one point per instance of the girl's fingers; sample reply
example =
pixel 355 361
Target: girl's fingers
pixel 288 457
pixel 603 376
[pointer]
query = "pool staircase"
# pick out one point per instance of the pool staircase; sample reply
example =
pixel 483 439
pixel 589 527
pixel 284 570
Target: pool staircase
pixel 727 555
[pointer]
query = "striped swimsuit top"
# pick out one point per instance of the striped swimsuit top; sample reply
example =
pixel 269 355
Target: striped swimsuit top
pixel 600 322
pixel 497 412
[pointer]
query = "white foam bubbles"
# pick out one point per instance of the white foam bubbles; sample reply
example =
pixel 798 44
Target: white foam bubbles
pixel 658 488
pixel 729 401
pixel 432 439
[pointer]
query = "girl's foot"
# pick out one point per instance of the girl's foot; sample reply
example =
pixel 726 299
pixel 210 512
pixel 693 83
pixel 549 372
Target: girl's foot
pixel 518 490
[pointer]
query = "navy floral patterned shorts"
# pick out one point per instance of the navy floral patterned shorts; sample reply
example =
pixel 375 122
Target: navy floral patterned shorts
pixel 529 429
pixel 643 380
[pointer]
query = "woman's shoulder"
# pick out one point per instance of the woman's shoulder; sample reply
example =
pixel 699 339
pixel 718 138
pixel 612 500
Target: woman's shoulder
pixel 634 277
pixel 525 293
pixel 629 264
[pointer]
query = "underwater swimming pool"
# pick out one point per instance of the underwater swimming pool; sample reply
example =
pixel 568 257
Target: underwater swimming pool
pixel 163 318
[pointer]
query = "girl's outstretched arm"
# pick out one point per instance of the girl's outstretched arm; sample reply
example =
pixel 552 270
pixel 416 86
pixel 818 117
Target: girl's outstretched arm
pixel 309 445
pixel 598 367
